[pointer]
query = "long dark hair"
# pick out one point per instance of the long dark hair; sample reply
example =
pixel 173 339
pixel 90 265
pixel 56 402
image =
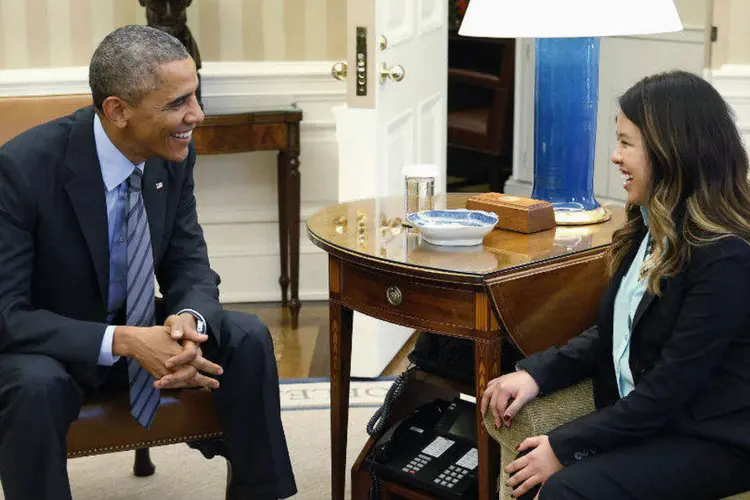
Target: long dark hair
pixel 700 191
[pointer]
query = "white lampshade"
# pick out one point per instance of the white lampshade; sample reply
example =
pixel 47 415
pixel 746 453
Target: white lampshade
pixel 568 18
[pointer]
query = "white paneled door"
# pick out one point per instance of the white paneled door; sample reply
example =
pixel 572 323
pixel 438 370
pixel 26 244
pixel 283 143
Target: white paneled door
pixel 396 74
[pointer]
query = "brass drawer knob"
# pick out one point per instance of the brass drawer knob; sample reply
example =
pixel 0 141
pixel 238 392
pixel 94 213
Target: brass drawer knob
pixel 394 295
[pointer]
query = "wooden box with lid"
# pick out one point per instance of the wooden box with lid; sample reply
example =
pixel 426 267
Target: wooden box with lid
pixel 516 213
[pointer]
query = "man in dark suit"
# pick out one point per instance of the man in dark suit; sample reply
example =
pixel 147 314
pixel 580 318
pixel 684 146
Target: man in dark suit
pixel 93 207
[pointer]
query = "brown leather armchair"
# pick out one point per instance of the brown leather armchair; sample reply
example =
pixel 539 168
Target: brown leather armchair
pixel 104 424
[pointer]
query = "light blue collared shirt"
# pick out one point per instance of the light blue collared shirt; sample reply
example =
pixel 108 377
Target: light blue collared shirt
pixel 116 169
pixel 629 295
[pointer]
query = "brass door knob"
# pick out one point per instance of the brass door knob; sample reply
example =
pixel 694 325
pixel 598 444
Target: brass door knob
pixel 338 70
pixel 395 73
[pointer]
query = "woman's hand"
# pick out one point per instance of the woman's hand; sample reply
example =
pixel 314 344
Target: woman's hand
pixel 518 386
pixel 533 468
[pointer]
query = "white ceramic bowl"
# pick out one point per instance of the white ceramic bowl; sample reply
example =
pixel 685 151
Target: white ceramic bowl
pixel 460 227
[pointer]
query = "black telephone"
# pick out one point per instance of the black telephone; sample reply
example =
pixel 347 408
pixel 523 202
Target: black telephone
pixel 432 449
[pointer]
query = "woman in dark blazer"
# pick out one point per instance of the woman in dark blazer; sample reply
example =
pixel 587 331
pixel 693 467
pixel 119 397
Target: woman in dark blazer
pixel 670 353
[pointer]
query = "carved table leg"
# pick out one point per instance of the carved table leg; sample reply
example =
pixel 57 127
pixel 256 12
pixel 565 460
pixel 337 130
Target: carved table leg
pixel 143 467
pixel 341 360
pixel 283 188
pixel 293 217
pixel 487 367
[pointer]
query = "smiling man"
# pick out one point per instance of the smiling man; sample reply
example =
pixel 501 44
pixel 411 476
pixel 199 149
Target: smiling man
pixel 93 208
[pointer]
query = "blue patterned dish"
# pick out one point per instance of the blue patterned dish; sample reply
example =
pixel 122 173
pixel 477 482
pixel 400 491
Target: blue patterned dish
pixel 459 227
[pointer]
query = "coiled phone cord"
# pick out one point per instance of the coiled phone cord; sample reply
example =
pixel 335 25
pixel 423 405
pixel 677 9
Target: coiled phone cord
pixel 380 418
pixel 375 488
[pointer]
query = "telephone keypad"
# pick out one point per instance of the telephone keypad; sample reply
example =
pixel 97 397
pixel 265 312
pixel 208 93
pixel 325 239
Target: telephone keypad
pixel 451 476
pixel 416 464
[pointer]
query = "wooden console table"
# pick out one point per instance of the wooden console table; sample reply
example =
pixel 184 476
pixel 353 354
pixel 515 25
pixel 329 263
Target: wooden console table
pixel 264 131
pixel 535 290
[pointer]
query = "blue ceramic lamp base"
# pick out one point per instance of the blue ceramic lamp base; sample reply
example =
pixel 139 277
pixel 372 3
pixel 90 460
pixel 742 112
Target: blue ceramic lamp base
pixel 565 105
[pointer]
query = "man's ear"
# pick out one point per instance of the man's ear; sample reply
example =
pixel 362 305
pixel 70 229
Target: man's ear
pixel 117 111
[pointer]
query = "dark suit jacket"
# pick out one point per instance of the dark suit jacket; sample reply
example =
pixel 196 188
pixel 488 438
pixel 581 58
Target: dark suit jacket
pixel 54 250
pixel 689 355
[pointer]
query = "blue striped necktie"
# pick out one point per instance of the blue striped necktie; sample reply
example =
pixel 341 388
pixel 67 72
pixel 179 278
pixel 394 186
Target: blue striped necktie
pixel 144 398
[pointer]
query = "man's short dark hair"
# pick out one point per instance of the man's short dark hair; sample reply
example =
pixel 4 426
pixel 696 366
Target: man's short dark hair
pixel 125 64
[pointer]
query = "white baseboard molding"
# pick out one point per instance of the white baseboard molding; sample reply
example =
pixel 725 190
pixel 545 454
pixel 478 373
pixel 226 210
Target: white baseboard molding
pixel 732 79
pixel 271 296
pixel 264 249
pixel 249 214
pixel 237 193
pixel 733 83
pixel 217 79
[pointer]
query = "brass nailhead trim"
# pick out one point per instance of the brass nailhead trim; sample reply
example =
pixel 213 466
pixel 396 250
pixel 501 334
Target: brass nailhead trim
pixel 143 444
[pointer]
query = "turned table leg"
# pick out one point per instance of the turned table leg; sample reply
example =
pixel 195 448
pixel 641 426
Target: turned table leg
pixel 487 367
pixel 293 217
pixel 282 170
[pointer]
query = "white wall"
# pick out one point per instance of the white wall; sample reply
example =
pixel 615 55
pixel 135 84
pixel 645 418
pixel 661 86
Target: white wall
pixel 730 59
pixel 733 82
pixel 693 13
pixel 236 194
pixel 732 19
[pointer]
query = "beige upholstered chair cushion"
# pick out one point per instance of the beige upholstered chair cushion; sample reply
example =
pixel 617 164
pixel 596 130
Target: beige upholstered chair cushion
pixel 538 417
pixel 541 416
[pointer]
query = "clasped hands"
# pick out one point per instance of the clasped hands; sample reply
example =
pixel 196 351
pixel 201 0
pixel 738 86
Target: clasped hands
pixel 171 353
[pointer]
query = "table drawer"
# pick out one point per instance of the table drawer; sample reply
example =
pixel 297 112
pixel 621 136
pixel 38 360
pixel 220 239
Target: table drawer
pixel 402 296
